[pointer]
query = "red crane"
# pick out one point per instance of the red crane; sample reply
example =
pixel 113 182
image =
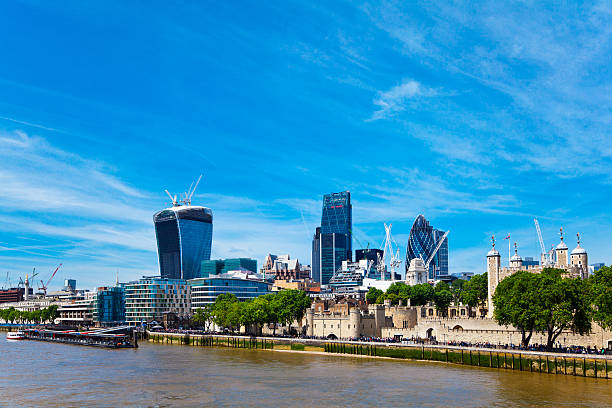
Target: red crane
pixel 44 286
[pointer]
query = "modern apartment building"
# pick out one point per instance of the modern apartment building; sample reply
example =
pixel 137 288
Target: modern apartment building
pixel 148 298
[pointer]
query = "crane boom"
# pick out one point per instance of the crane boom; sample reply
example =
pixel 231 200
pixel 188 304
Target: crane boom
pixel 431 257
pixel 537 225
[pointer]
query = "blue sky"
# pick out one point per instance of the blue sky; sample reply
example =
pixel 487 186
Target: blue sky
pixel 480 119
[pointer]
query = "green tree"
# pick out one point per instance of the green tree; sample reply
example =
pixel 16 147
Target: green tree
pixel 600 285
pixel 400 290
pixel 221 310
pixel 562 303
pixel 373 294
pixel 443 299
pixel 515 302
pixel 291 305
pixel 475 291
pixel 262 311
pixel 421 294
pixel 53 313
pixel 202 316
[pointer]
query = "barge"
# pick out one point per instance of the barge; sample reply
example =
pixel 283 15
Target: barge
pixel 95 338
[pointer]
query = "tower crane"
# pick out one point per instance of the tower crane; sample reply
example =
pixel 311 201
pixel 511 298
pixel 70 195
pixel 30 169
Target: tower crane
pixel 44 286
pixel 546 257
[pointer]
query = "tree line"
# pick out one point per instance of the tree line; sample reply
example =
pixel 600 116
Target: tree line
pixel 472 293
pixel 12 315
pixel 549 303
pixel 283 307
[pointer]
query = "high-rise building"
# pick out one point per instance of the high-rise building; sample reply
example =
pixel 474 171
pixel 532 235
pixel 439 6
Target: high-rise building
pixel 242 283
pixel 331 243
pixel 337 218
pixel 184 240
pixel 422 243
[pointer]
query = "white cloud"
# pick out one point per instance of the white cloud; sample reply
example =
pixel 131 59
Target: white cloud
pixel 396 98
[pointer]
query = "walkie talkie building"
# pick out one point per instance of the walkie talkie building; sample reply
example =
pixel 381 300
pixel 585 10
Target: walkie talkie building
pixel 184 240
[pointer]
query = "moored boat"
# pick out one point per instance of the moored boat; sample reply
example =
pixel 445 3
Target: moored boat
pixel 18 335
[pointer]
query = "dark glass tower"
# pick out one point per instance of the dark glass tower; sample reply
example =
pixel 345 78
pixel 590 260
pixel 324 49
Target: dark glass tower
pixel 184 240
pixel 422 242
pixel 337 218
pixel 331 243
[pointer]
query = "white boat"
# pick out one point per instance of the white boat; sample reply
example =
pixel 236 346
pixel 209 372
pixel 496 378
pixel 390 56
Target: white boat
pixel 18 335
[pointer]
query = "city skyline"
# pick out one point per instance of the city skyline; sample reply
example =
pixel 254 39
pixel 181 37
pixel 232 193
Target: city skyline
pixel 479 120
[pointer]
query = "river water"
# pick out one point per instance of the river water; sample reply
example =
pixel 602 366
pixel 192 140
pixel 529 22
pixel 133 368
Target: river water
pixel 58 375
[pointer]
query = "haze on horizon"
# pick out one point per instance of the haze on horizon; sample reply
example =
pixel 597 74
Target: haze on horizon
pixel 480 119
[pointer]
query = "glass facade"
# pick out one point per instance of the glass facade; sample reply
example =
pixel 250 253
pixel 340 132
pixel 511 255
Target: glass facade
pixel 109 306
pixel 147 299
pixel 218 266
pixel 184 240
pixel 332 242
pixel 337 218
pixel 422 242
pixel 204 291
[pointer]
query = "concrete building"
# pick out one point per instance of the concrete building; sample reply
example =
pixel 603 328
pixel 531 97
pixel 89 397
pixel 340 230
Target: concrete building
pixel 244 284
pixel 148 298
pixel 575 265
pixel 78 312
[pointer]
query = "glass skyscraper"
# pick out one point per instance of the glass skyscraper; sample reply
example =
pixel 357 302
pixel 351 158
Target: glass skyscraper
pixel 184 240
pixel 332 242
pixel 422 242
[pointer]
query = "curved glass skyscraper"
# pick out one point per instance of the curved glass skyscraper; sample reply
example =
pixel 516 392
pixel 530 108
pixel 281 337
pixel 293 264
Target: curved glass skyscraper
pixel 422 242
pixel 184 240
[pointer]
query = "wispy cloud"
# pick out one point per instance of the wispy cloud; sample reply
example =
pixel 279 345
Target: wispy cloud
pixel 396 99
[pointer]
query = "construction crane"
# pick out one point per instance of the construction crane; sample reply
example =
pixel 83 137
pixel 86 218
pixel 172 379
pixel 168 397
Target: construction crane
pixel 391 252
pixel 185 198
pixel 45 286
pixel 435 251
pixel 545 257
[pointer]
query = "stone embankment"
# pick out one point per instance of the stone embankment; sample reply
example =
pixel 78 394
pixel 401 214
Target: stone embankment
pixel 595 366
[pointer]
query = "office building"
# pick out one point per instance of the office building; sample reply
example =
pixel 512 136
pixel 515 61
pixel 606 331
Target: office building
pixel 529 261
pixel 78 312
pixel 242 283
pixel 424 242
pixel 109 306
pixel 149 298
pixel 337 218
pixel 328 252
pixel 214 267
pixel 184 240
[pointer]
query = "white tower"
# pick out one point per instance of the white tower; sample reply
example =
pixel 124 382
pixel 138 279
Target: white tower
pixel 493 267
pixel 579 259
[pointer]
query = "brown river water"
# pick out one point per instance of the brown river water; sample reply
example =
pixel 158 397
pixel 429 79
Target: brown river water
pixel 59 375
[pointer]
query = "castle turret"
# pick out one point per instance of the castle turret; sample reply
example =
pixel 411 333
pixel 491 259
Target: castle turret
pixel 354 323
pixel 561 252
pixel 416 273
pixel 516 261
pixel 493 267
pixel 579 258
pixel 310 322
